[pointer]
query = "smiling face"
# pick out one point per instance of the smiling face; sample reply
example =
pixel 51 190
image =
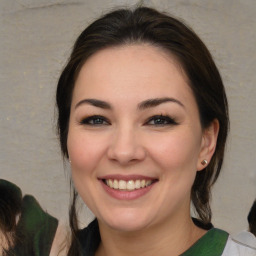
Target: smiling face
pixel 135 139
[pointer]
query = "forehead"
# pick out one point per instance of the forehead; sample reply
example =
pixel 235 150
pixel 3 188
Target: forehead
pixel 131 71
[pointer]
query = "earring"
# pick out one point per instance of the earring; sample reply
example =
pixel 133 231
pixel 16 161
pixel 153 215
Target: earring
pixel 204 162
pixel 69 161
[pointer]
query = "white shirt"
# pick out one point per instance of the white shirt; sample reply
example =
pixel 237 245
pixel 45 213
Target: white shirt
pixel 238 248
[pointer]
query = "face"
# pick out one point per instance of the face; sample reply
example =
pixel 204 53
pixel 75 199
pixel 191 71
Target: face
pixel 135 141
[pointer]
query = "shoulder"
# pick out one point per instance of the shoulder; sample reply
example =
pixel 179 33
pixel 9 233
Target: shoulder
pixel 237 248
pixel 246 237
pixel 37 227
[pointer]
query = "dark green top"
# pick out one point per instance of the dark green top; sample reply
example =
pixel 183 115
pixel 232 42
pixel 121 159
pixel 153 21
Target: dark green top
pixel 36 228
pixel 211 244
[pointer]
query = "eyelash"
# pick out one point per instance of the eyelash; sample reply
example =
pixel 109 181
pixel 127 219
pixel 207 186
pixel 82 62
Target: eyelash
pixel 91 120
pixel 162 120
pixel 159 120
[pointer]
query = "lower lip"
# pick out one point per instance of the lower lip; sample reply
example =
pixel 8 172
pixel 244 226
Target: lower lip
pixel 127 195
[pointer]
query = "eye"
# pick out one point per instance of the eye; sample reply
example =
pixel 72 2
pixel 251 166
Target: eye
pixel 95 120
pixel 160 120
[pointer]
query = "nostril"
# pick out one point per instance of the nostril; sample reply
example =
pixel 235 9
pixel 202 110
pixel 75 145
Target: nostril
pixel 126 155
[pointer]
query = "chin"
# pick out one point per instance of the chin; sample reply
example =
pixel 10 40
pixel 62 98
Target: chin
pixel 125 226
pixel 127 222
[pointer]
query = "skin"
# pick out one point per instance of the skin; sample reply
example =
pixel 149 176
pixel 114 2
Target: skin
pixel 130 141
pixel 60 241
pixel 3 242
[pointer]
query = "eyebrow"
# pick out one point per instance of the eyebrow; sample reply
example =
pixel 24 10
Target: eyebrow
pixel 150 103
pixel 155 102
pixel 94 102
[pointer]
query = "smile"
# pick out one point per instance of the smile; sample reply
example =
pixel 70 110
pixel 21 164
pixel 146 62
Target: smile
pixel 129 185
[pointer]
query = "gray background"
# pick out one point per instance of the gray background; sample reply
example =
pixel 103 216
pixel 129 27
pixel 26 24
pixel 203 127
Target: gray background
pixel 36 37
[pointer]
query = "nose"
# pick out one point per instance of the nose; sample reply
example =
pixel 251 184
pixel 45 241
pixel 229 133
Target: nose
pixel 125 148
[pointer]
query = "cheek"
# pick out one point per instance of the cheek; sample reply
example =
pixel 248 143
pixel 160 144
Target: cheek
pixel 85 154
pixel 179 151
pixel 84 151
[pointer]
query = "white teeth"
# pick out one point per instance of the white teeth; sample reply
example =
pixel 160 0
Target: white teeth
pixel 137 184
pixel 110 183
pixel 122 184
pixel 116 185
pixel 128 185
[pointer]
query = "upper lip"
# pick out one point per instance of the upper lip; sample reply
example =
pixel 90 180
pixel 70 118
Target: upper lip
pixel 126 177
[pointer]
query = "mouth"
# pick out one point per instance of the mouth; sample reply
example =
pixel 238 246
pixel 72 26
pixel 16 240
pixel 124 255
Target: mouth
pixel 129 185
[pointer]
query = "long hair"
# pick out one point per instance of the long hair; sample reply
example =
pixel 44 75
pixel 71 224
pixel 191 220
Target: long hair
pixel 10 208
pixel 146 25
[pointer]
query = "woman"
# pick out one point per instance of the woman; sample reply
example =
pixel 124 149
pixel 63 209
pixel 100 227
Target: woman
pixel 143 120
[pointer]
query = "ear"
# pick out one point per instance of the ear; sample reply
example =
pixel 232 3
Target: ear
pixel 208 144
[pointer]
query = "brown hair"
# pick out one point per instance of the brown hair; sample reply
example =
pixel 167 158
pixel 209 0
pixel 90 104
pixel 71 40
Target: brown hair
pixel 146 25
pixel 10 208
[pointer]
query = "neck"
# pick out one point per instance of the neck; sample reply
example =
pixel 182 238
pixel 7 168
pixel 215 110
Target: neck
pixel 171 237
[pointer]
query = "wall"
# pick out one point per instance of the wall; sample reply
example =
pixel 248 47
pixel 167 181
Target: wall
pixel 36 37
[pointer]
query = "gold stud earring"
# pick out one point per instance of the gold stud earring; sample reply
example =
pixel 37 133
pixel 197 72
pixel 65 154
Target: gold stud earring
pixel 204 162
